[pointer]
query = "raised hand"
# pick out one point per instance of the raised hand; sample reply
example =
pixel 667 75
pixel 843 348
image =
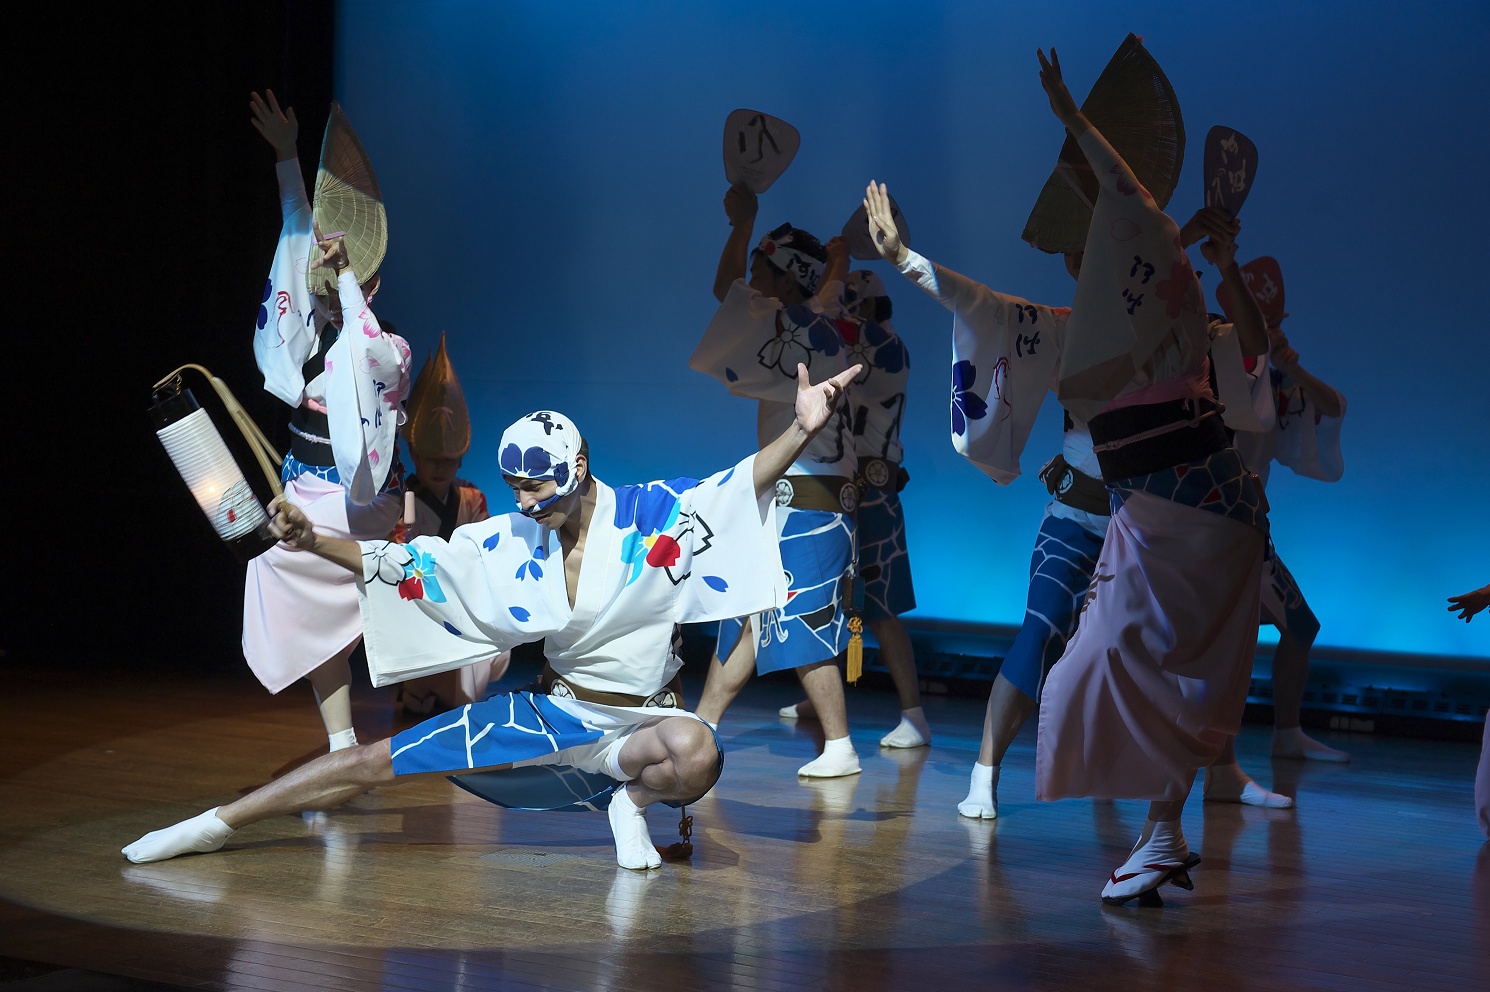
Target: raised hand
pixel 1210 222
pixel 279 128
pixel 882 229
pixel 740 206
pixel 1220 253
pixel 333 250
pixel 1469 603
pixel 290 524
pixel 1281 353
pixel 815 404
pixel 836 270
pixel 1061 103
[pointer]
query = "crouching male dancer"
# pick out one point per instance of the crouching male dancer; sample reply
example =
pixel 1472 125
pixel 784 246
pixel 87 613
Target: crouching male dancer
pixel 603 575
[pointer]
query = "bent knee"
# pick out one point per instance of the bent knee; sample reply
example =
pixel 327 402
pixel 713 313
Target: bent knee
pixel 369 764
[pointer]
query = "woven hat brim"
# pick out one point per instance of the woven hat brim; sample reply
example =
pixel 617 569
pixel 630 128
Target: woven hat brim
pixel 348 198
pixel 1134 107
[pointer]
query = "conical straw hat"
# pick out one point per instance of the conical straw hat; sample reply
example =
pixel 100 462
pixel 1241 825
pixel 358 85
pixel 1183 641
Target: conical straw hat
pixel 348 199
pixel 439 426
pixel 1133 106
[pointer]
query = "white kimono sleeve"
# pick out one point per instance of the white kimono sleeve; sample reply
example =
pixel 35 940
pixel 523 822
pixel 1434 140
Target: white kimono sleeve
pixel 286 333
pixel 1307 441
pixel 1137 318
pixel 753 346
pixel 367 376
pixel 733 559
pixel 1005 351
pixel 1246 394
pixel 431 606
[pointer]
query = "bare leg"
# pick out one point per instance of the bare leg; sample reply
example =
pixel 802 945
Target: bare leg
pixel 726 678
pixel 1008 709
pixel 1290 674
pixel 900 658
pixel 1225 782
pixel 332 682
pixel 824 685
pixel 327 781
pixel 672 759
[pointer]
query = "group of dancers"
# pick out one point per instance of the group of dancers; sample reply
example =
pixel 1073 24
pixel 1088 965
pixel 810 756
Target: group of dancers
pixel 1151 570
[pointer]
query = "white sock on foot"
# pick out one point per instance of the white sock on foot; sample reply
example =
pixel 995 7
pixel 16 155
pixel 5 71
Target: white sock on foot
pixel 628 823
pixel 1229 784
pixel 982 802
pixel 342 739
pixel 1294 743
pixel 913 730
pixel 838 759
pixel 789 712
pixel 201 834
pixel 1161 849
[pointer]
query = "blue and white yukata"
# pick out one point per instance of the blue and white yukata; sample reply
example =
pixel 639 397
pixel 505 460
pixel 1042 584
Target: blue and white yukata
pixel 655 556
pixel 300 610
pixel 1291 430
pixel 876 412
pixel 753 345
pixel 1005 353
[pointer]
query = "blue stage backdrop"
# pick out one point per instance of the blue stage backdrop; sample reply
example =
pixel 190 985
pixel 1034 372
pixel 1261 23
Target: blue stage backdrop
pixel 553 181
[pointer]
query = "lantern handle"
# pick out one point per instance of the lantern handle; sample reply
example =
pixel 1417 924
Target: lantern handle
pixel 263 451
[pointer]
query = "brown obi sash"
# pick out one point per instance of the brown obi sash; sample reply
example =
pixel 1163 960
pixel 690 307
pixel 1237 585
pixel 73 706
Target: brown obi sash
pixel 832 493
pixel 881 473
pixel 1075 488
pixel 551 683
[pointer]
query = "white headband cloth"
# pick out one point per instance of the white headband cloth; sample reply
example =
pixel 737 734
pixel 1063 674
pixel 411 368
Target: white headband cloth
pixel 542 446
pixel 862 284
pixel 779 251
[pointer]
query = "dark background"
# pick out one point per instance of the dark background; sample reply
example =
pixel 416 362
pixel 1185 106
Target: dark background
pixel 143 219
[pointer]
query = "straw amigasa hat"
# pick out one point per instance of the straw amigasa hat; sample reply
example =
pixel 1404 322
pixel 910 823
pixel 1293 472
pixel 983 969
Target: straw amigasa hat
pixel 1133 106
pixel 439 426
pixel 347 198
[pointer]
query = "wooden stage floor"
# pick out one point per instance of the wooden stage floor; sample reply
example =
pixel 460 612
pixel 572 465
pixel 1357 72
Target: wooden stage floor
pixel 1379 880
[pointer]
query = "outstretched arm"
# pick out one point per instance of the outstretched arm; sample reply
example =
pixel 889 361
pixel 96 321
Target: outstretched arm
pixel 1286 360
pixel 1251 326
pixel 1061 102
pixel 815 406
pixel 292 526
pixel 740 206
pixel 1470 603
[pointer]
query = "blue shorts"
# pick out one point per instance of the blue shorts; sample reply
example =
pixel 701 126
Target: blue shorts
pixel 1283 603
pixel 816 546
pixel 1061 568
pixel 884 563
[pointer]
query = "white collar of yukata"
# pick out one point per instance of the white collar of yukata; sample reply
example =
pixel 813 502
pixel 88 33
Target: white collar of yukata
pixel 543 445
pixel 778 249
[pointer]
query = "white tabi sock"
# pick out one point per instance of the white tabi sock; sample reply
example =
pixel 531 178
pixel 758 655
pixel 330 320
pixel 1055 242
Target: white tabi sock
pixel 913 730
pixel 628 823
pixel 1294 743
pixel 1229 784
pixel 837 760
pixel 982 802
pixel 342 739
pixel 201 834
pixel 1160 854
pixel 789 712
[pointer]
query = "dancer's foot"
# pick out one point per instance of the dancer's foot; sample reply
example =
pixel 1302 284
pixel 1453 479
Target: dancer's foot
pixel 201 834
pixel 1160 856
pixel 1229 784
pixel 798 711
pixel 982 801
pixel 913 730
pixel 628 822
pixel 837 760
pixel 1299 746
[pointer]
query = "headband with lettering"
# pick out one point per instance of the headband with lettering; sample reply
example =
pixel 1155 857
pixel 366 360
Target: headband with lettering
pixel 785 257
pixel 542 446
